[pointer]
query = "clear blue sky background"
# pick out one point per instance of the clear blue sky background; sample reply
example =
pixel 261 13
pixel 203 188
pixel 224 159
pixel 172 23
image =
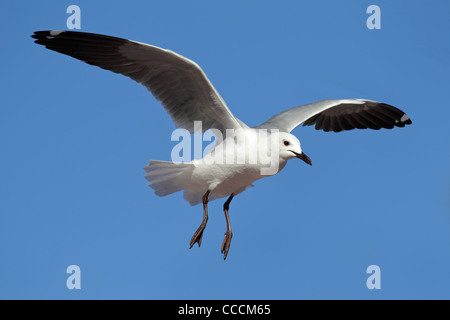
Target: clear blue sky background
pixel 74 139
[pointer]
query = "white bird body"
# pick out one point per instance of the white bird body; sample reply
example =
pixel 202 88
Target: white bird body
pixel 188 96
pixel 230 167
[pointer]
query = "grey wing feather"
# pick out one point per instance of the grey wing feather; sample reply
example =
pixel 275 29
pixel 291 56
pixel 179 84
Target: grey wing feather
pixel 339 115
pixel 179 83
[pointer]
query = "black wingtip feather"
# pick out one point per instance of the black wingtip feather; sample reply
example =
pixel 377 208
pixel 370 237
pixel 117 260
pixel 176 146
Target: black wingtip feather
pixel 368 115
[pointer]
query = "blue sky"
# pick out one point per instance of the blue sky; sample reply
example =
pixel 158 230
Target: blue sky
pixel 74 139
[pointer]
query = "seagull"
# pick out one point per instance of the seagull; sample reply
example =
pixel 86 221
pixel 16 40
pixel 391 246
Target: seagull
pixel 188 96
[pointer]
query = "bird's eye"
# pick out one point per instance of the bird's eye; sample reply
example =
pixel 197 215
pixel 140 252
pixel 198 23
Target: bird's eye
pixel 286 143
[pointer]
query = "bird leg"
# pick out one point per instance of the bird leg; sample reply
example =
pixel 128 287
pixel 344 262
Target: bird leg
pixel 227 241
pixel 197 237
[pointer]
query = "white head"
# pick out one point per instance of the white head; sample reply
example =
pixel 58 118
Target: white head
pixel 290 148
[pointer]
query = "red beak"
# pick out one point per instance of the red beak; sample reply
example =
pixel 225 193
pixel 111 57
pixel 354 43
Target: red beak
pixel 303 157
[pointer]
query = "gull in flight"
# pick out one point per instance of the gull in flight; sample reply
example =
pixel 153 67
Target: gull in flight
pixel 187 95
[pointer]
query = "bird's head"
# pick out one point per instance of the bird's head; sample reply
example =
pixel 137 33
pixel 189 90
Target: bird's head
pixel 290 148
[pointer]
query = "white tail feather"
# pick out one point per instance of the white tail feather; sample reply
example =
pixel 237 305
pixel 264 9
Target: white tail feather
pixel 166 177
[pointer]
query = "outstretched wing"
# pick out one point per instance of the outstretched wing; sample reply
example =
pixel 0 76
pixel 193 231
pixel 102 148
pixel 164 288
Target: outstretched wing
pixel 179 83
pixel 339 115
